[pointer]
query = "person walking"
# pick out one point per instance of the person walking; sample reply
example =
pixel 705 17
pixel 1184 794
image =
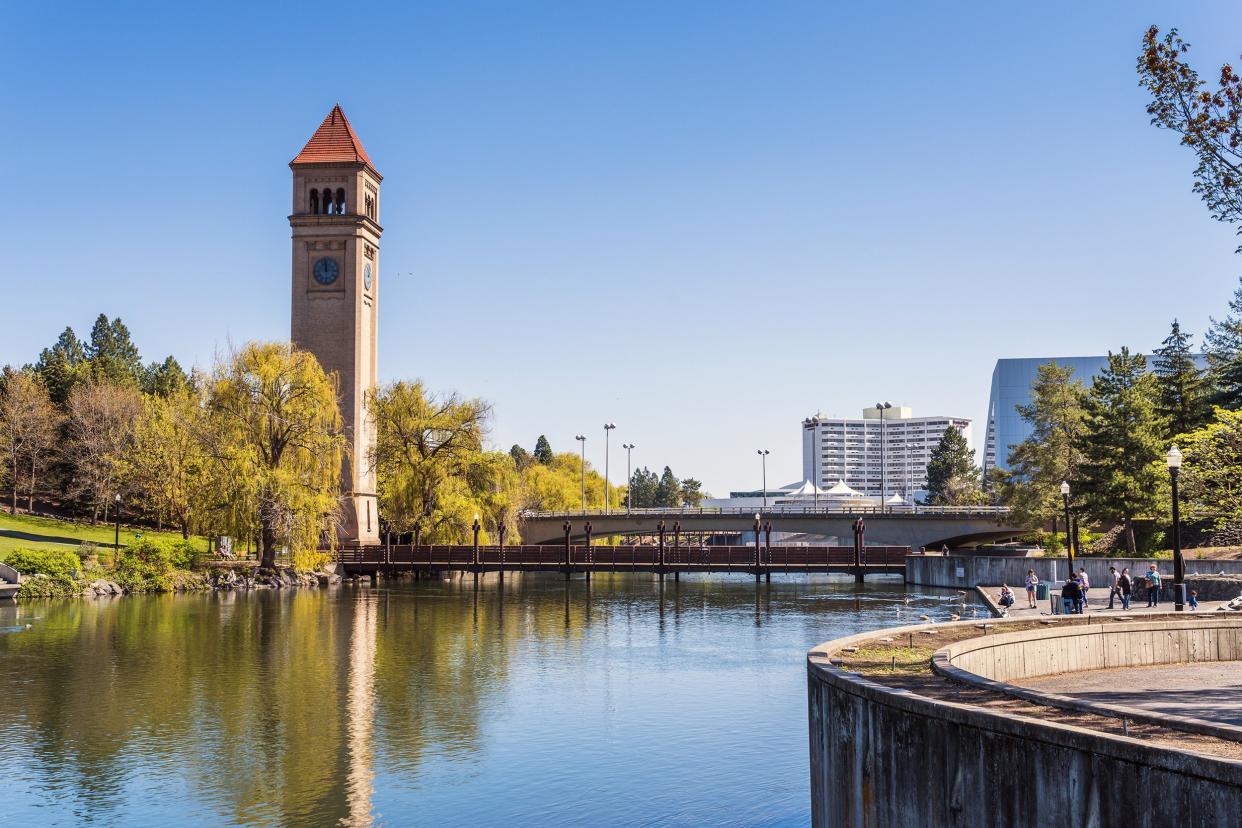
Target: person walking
pixel 1126 586
pixel 1085 583
pixel 1113 590
pixel 1071 597
pixel 1194 600
pixel 1032 581
pixel 1153 586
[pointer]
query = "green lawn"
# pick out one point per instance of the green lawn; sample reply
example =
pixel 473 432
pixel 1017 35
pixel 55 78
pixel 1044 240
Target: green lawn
pixel 47 533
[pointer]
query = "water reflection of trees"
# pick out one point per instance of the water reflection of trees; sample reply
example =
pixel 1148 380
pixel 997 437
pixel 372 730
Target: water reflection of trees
pixel 290 707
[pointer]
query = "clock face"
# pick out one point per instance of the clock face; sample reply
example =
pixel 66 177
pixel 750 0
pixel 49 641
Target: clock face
pixel 326 271
pixel 366 276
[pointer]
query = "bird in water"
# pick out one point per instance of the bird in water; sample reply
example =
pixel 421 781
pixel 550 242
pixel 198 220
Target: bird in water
pixel 924 617
pixel 908 600
pixel 955 617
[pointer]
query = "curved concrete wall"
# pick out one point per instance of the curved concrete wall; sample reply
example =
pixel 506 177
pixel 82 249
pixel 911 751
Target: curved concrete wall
pixel 882 756
pixel 1027 654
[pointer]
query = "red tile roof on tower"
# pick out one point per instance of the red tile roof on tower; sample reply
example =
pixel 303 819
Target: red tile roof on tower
pixel 334 143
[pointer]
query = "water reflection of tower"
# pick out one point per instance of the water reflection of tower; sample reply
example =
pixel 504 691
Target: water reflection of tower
pixel 360 695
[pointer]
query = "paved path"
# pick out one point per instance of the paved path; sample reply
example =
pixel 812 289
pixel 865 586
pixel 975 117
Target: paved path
pixel 1209 690
pixel 1098 605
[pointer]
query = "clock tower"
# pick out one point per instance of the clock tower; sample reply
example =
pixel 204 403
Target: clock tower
pixel 336 234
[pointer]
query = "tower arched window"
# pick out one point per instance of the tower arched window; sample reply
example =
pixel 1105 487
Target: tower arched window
pixel 327 200
pixel 314 201
pixel 340 201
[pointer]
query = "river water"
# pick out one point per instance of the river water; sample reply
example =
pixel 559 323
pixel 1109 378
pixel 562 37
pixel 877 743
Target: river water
pixel 611 702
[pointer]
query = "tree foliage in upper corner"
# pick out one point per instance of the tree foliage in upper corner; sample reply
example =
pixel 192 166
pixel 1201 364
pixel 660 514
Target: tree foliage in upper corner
pixel 1209 120
pixel 952 476
pixel 1122 444
pixel 1052 453
pixel 1183 394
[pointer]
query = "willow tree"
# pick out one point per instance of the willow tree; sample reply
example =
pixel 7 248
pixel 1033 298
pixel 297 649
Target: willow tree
pixel 278 439
pixel 432 467
pixel 168 460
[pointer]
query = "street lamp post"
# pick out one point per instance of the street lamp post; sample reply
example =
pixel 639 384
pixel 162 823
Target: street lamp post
pixel 116 513
pixel 629 477
pixel 763 456
pixel 883 468
pixel 1069 537
pixel 608 427
pixel 1174 460
pixel 581 438
pixel 476 544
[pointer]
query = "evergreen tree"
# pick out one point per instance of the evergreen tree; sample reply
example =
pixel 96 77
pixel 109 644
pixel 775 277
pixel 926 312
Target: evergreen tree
pixel 691 492
pixel 668 492
pixel 643 486
pixel 1182 400
pixel 952 476
pixel 1122 443
pixel 112 354
pixel 1223 345
pixel 1031 486
pixel 521 457
pixel 165 379
pixel 62 366
pixel 543 450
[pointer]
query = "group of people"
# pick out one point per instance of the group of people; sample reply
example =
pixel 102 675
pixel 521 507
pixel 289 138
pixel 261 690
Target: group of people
pixel 1075 592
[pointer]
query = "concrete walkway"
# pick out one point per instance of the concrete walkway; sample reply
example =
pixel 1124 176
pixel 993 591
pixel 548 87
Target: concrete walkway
pixel 1098 604
pixel 1210 690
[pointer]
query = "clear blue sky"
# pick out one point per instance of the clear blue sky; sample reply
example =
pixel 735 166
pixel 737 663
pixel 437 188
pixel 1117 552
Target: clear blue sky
pixel 701 220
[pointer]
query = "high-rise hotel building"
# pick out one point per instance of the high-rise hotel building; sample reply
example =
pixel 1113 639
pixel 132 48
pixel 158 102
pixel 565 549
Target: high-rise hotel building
pixel 877 457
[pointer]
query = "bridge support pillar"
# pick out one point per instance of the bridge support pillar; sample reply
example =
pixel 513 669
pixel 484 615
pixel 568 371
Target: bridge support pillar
pixel 375 578
pixel 858 575
pixel 767 576
pixel 676 576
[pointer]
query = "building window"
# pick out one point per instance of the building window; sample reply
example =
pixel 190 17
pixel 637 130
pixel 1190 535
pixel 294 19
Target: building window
pixel 314 201
pixel 340 201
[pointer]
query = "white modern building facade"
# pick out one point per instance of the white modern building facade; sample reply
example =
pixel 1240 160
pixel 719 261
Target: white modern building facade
pixel 877 457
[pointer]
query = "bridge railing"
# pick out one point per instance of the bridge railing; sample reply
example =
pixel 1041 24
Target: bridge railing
pixel 618 557
pixel 783 509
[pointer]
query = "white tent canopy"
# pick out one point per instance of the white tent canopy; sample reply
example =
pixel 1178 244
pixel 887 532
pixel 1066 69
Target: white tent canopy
pixel 841 490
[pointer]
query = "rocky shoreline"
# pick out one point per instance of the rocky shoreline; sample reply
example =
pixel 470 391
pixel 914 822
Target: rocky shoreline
pixel 183 581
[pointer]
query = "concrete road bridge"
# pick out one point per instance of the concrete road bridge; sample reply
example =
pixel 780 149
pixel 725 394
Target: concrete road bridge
pixel 913 526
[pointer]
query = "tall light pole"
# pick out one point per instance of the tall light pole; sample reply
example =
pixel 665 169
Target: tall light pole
pixel 883 468
pixel 763 456
pixel 581 438
pixel 629 477
pixel 1069 538
pixel 1174 460
pixel 608 427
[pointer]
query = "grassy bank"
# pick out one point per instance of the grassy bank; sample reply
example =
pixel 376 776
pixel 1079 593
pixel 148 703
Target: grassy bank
pixel 28 532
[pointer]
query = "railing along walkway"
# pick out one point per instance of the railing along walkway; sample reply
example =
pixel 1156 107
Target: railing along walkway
pixel 672 559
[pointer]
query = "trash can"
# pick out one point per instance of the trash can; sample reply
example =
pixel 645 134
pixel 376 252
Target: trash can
pixel 1041 592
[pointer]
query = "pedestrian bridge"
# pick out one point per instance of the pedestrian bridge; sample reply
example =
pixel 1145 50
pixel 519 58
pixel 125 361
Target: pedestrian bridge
pixel 912 526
